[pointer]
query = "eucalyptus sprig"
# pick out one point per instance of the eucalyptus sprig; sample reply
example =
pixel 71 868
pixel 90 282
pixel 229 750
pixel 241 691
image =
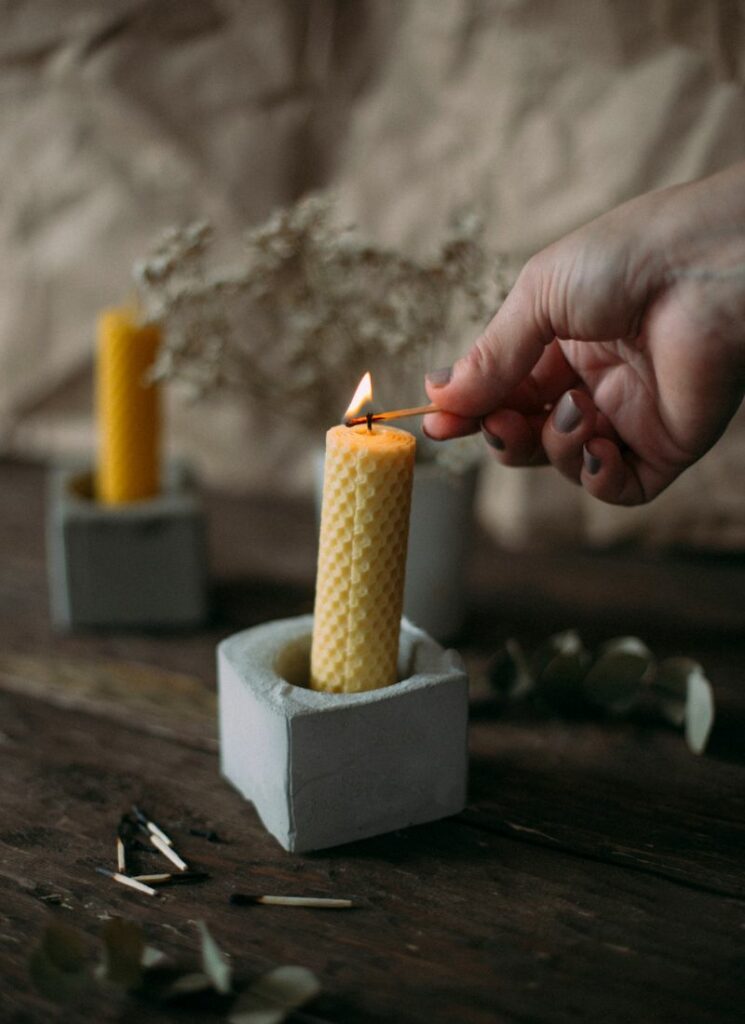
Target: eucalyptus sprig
pixel 615 680
pixel 62 969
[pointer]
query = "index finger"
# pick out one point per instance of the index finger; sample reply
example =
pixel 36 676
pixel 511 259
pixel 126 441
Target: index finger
pixel 501 358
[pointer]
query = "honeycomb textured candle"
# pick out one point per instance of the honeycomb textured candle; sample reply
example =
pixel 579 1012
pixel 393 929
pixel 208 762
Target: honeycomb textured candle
pixel 362 558
pixel 128 409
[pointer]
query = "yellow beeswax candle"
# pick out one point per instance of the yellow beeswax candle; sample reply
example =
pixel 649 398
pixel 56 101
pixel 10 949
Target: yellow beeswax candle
pixel 362 558
pixel 128 409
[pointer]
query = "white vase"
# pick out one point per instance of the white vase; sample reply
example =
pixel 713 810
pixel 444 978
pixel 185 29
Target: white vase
pixel 440 535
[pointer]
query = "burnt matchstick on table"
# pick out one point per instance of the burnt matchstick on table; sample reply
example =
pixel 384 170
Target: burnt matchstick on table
pixel 150 826
pixel 121 856
pixel 169 852
pixel 162 843
pixel 167 877
pixel 159 839
pixel 131 883
pixel 243 899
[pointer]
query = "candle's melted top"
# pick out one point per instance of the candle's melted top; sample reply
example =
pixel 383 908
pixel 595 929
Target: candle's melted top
pixel 379 439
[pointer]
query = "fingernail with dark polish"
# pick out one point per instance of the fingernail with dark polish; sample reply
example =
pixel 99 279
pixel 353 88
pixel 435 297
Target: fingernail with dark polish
pixel 439 378
pixel 592 462
pixel 568 414
pixel 493 440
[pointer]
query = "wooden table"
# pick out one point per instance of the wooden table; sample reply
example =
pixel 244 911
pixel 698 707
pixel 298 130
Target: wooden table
pixel 597 873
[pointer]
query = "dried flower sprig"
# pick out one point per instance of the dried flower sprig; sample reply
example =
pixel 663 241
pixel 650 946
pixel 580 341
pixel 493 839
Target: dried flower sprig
pixel 310 305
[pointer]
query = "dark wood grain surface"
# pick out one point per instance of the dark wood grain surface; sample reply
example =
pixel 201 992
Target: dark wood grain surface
pixel 597 873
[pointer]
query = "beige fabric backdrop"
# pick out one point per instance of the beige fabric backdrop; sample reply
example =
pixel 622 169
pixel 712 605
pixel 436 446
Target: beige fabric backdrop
pixel 119 118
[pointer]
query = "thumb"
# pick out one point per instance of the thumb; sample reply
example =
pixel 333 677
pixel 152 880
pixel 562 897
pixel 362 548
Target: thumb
pixel 504 355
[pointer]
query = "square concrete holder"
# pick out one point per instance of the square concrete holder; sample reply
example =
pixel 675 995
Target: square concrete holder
pixel 140 564
pixel 328 768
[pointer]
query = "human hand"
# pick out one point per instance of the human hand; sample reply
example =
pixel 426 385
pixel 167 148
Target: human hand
pixel 619 354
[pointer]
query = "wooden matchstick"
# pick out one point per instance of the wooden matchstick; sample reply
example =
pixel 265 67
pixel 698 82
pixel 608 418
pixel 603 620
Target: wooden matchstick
pixel 144 821
pixel 392 414
pixel 168 852
pixel 121 856
pixel 241 899
pixel 131 883
pixel 166 876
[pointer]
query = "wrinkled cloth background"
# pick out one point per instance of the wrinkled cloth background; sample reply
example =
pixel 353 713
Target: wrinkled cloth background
pixel 121 117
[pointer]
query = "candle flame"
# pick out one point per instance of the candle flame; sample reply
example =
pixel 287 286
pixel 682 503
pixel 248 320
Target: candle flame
pixel 363 394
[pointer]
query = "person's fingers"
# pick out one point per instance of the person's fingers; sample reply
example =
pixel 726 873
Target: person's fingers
pixel 571 424
pixel 620 479
pixel 501 358
pixel 551 376
pixel 442 426
pixel 606 476
pixel 604 427
pixel 515 439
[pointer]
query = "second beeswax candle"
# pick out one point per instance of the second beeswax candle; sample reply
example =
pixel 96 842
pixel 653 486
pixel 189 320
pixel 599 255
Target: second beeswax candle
pixel 362 558
pixel 128 409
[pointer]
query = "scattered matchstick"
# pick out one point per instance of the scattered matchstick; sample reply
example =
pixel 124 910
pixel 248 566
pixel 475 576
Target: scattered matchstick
pixel 168 852
pixel 121 856
pixel 151 827
pixel 131 883
pixel 166 876
pixel 241 899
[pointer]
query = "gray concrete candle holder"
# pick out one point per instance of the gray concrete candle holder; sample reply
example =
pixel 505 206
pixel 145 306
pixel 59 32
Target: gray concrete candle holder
pixel 137 564
pixel 324 768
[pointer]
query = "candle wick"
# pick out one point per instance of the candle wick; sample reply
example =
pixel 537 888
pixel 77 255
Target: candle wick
pixel 369 421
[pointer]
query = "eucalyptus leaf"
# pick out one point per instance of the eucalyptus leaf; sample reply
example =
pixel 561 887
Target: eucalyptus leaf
pixel 619 675
pixel 57 965
pixel 188 985
pixel 566 643
pixel 560 678
pixel 670 687
pixel 152 957
pixel 623 675
pixel 65 947
pixel 699 713
pixel 509 672
pixel 275 995
pixel 124 945
pixel 213 961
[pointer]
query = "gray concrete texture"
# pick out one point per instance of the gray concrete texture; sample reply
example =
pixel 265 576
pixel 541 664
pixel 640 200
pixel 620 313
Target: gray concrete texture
pixel 141 564
pixel 324 769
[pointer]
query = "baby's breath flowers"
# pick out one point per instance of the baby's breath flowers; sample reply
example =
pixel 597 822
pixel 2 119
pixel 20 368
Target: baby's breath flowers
pixel 309 306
